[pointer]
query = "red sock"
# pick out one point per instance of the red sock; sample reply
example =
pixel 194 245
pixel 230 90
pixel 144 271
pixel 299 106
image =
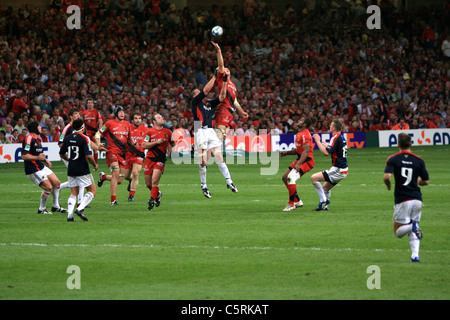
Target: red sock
pixel 132 192
pixel 96 157
pixel 104 177
pixel 113 198
pixel 292 188
pixel 154 193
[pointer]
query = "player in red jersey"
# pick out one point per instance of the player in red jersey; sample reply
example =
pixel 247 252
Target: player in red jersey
pixel 92 121
pixel 305 162
pixel 118 134
pixel 157 141
pixel 225 110
pixel 135 155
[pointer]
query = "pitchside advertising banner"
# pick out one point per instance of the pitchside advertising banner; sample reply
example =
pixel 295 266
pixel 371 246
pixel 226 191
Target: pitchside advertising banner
pixel 420 137
pixel 242 145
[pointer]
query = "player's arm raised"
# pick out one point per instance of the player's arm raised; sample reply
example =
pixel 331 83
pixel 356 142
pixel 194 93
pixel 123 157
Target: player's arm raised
pixel 322 146
pixel 220 63
pixel 209 86
pixel 223 92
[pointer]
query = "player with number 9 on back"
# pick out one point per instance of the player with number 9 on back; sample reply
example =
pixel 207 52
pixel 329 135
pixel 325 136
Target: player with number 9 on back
pixel 409 172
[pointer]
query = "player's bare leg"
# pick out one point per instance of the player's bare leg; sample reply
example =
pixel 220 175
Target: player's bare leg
pixel 115 173
pixel 134 180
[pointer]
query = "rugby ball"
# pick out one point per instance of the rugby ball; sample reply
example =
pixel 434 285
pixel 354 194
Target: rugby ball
pixel 217 31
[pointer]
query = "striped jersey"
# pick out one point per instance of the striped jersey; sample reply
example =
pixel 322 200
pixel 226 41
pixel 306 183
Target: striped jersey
pixel 34 147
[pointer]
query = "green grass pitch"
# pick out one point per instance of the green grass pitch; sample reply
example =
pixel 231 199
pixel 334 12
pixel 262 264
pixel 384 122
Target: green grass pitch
pixel 233 246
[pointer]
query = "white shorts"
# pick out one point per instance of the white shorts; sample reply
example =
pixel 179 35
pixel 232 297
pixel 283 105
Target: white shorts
pixel 407 211
pixel 40 176
pixel 335 175
pixel 206 139
pixel 80 181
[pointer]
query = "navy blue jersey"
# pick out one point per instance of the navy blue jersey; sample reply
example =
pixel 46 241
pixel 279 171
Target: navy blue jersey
pixel 204 110
pixel 406 168
pixel 77 146
pixel 34 147
pixel 338 150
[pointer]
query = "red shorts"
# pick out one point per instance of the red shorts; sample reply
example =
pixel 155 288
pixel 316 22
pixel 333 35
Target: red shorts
pixel 134 160
pixel 224 117
pixel 152 165
pixel 91 135
pixel 114 157
pixel 305 167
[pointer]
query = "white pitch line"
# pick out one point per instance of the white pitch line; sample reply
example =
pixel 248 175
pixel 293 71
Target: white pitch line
pixel 152 246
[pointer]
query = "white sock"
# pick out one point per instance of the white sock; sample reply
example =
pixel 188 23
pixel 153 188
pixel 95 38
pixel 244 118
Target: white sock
pixel 64 185
pixel 44 199
pixel 293 176
pixel 328 194
pixel 55 195
pixel 319 189
pixel 71 206
pixel 80 194
pixel 202 168
pixel 414 243
pixel 88 197
pixel 226 174
pixel 401 231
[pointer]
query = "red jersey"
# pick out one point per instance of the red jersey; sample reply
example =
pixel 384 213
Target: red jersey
pixel 91 119
pixel 18 106
pixel 117 134
pixel 138 135
pixel 302 138
pixel 158 153
pixel 231 92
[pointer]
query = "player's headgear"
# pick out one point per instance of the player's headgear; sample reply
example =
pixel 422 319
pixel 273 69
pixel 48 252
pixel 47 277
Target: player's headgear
pixel 117 110
pixel 78 125
pixel 33 127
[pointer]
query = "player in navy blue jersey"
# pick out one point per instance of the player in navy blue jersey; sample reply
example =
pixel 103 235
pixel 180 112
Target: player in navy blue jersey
pixel 76 149
pixel 74 114
pixel 42 176
pixel 205 138
pixel 337 148
pixel 409 172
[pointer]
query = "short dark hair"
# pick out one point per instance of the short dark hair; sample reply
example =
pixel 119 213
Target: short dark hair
pixel 338 125
pixel 309 121
pixel 77 124
pixel 404 141
pixel 136 114
pixel 73 110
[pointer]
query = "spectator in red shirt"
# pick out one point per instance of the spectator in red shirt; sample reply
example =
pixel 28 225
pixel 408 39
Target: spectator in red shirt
pixel 19 106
